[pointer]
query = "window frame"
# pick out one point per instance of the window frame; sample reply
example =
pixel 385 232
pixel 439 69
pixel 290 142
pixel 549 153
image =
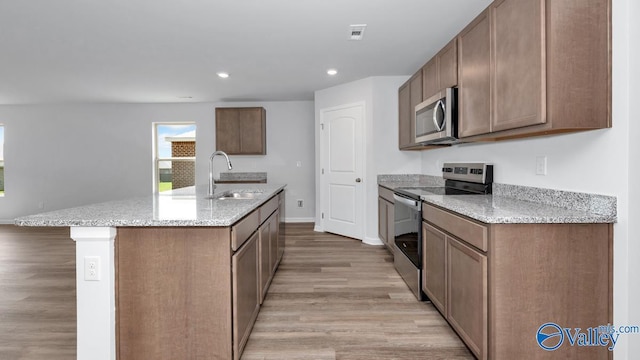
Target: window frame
pixel 156 156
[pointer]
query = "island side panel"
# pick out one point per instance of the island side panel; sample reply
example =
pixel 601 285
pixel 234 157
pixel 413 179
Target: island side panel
pixel 540 273
pixel 173 298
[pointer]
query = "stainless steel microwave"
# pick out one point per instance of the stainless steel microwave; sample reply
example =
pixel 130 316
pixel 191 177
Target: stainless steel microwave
pixel 437 119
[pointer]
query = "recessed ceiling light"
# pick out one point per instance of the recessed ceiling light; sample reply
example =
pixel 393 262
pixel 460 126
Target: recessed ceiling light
pixel 332 72
pixel 223 75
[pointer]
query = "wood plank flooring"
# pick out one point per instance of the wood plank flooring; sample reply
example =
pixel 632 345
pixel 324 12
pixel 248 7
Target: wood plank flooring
pixel 332 298
pixel 336 298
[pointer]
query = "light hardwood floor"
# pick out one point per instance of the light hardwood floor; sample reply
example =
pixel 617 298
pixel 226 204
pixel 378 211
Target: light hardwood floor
pixel 336 298
pixel 332 298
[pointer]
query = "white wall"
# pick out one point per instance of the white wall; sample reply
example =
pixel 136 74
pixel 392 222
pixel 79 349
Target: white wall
pixel 380 96
pixel 601 161
pixel 71 155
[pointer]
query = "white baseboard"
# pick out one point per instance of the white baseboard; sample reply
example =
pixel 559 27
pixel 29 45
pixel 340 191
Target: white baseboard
pixel 372 241
pixel 299 220
pixel 7 221
pixel 318 228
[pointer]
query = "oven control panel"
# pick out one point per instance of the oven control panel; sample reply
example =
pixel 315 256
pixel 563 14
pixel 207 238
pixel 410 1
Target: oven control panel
pixel 481 173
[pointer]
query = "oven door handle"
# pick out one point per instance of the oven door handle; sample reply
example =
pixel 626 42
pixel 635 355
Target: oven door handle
pixel 408 202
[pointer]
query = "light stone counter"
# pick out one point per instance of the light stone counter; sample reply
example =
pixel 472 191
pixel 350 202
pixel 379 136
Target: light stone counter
pixel 514 204
pixel 181 207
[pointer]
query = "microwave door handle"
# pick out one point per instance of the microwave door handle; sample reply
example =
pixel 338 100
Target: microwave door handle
pixel 438 124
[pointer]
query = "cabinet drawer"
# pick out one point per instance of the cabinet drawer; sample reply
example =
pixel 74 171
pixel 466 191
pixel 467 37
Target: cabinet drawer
pixel 268 208
pixel 385 193
pixel 473 233
pixel 241 231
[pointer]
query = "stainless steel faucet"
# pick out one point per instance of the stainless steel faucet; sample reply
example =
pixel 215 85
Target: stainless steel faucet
pixel 212 185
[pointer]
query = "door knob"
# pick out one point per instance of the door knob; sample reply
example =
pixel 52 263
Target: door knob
pixel 358 180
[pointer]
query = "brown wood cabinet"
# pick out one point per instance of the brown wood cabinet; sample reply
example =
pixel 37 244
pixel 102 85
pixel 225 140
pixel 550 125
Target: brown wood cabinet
pixel 435 271
pixel 441 71
pixel 467 295
pixel 269 232
pixel 246 294
pixel 410 95
pixel 386 229
pixel 503 281
pixel 241 131
pixel 474 91
pixel 193 292
pixel 535 67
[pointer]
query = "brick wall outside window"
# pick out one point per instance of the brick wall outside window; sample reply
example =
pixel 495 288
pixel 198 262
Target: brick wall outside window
pixel 183 171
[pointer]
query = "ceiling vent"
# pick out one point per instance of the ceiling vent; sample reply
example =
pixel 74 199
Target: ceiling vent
pixel 356 31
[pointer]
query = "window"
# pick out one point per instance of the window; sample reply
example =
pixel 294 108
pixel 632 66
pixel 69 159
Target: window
pixel 1 160
pixel 175 156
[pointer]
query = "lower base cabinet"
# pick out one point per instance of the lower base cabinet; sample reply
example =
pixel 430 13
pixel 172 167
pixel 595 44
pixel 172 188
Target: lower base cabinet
pixel 246 293
pixel 467 295
pixel 497 284
pixel 386 214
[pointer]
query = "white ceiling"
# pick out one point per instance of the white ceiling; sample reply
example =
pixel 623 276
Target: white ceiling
pixel 69 51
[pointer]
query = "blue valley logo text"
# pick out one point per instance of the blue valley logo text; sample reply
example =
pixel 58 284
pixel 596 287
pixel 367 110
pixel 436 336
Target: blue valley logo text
pixel 551 336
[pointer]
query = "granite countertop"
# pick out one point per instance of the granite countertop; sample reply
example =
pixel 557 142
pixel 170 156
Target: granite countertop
pixel 513 204
pixel 181 207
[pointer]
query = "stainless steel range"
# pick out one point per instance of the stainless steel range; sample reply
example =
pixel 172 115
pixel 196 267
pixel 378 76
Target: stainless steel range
pixel 460 179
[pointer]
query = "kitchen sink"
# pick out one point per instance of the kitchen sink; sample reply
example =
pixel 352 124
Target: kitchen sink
pixel 234 195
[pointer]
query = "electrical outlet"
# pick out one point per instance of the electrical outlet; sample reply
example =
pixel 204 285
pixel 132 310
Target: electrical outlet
pixel 541 165
pixel 92 268
pixel 300 203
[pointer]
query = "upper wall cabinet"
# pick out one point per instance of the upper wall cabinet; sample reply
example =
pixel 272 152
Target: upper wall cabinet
pixel 441 71
pixel 241 131
pixel 409 95
pixel 535 67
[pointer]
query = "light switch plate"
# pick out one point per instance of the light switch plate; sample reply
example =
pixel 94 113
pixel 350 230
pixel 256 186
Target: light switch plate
pixel 541 165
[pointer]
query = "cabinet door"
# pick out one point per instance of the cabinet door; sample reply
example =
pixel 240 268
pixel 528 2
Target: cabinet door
pixel 434 270
pixel 430 81
pixel 382 220
pixel 405 138
pixel 415 92
pixel 252 131
pixel 467 295
pixel 519 67
pixel 227 130
pixel 474 90
pixel 281 226
pixel 448 66
pixel 265 263
pixel 274 222
pixel 246 299
pixel 391 234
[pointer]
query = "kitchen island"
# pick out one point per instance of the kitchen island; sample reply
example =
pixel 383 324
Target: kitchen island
pixel 172 275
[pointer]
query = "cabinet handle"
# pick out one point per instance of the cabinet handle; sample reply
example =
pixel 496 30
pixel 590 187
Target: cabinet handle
pixel 358 180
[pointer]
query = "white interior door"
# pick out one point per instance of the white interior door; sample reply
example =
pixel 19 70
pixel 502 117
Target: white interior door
pixel 342 185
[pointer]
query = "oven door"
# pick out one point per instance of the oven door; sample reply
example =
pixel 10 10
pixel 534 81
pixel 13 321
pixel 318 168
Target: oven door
pixel 407 226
